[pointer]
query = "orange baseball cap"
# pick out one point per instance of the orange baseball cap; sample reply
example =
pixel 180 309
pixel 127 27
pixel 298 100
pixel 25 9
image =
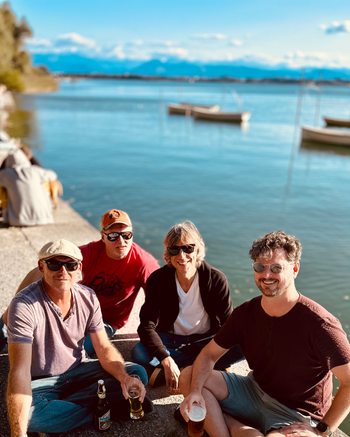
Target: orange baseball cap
pixel 114 216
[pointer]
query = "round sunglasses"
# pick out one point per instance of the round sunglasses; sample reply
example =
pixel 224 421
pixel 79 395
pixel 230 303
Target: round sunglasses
pixel 113 236
pixel 175 250
pixel 274 267
pixel 55 266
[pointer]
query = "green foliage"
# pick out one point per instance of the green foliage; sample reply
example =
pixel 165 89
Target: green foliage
pixel 12 79
pixel 15 62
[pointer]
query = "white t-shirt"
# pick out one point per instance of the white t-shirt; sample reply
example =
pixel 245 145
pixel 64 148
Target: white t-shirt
pixel 192 318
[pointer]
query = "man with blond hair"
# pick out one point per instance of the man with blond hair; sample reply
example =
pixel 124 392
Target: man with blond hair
pixel 293 346
pixel 52 383
pixel 115 267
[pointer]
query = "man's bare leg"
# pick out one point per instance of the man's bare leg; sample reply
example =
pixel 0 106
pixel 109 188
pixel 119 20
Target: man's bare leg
pixel 237 429
pixel 216 423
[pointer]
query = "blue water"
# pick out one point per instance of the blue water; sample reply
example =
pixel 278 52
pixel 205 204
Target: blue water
pixel 114 145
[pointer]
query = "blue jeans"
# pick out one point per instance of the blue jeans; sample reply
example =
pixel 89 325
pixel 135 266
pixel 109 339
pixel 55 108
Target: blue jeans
pixel 186 355
pixel 110 331
pixel 64 402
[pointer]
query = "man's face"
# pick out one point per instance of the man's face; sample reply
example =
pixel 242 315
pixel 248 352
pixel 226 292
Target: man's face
pixel 119 248
pixel 275 284
pixel 61 280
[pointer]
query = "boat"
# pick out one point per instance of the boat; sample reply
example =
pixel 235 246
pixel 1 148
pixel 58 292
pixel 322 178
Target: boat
pixel 325 135
pixel 336 122
pixel 231 117
pixel 186 108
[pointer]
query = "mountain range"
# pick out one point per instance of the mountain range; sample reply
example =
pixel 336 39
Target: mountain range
pixel 78 64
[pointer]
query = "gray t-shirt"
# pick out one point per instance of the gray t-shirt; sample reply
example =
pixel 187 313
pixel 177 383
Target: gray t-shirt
pixel 57 343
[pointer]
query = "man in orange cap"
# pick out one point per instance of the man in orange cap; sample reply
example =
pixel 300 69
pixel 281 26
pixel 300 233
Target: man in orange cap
pixel 114 267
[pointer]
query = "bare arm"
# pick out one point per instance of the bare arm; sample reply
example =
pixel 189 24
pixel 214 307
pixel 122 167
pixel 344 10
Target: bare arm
pixel 33 276
pixel 19 392
pixel 112 361
pixel 338 411
pixel 202 369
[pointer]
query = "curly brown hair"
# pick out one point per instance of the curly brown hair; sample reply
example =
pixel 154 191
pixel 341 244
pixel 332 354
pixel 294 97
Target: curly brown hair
pixel 264 247
pixel 187 233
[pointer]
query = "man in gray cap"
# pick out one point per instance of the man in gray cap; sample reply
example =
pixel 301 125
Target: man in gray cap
pixel 52 383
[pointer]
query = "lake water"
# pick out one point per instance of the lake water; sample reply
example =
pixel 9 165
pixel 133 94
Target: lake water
pixel 114 145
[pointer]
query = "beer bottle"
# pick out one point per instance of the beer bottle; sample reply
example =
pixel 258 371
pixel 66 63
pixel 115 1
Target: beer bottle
pixel 102 417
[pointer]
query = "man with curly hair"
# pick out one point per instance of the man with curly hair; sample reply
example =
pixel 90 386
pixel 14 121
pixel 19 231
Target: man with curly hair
pixel 292 346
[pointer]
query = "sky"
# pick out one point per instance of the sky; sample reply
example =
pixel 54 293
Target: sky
pixel 294 33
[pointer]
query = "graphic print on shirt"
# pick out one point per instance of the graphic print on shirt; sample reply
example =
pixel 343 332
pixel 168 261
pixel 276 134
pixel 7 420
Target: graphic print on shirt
pixel 102 285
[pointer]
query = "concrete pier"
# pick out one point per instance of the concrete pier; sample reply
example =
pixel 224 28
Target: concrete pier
pixel 18 254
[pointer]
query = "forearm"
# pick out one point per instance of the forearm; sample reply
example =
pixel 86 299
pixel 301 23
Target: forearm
pixel 19 400
pixel 339 409
pixel 112 361
pixel 202 369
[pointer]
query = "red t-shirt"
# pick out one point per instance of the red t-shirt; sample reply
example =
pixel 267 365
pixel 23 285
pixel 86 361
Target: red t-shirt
pixel 116 282
pixel 291 356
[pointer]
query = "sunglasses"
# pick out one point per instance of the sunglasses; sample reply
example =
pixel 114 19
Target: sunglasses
pixel 55 266
pixel 113 236
pixel 175 250
pixel 274 267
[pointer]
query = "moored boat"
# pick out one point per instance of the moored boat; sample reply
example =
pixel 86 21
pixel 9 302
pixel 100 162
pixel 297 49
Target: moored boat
pixel 325 135
pixel 232 117
pixel 186 108
pixel 336 122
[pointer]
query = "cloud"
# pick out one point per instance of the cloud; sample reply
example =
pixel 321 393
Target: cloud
pixel 144 51
pixel 75 40
pixel 337 27
pixel 236 42
pixel 210 36
pixel 38 42
pixel 300 59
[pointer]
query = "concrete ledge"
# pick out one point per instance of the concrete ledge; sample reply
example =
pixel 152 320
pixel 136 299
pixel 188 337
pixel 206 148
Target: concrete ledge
pixel 18 254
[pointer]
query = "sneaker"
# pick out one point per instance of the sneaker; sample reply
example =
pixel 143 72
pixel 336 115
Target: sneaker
pixel 178 416
pixel 157 377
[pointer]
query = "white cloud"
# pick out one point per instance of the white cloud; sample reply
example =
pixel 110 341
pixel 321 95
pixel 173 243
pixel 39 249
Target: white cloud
pixel 212 36
pixel 38 42
pixel 75 40
pixel 236 42
pixel 300 59
pixel 337 27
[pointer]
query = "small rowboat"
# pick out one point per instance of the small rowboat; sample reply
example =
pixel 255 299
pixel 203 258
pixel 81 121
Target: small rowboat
pixel 325 135
pixel 336 122
pixel 231 117
pixel 186 108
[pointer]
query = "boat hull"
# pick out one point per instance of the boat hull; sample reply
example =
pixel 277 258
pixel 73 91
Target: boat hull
pixel 336 122
pixel 228 117
pixel 186 108
pixel 326 136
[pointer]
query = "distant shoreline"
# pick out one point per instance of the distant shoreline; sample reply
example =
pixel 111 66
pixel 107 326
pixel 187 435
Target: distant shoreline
pixel 272 80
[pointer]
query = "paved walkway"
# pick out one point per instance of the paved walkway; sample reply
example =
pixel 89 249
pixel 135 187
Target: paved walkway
pixel 18 254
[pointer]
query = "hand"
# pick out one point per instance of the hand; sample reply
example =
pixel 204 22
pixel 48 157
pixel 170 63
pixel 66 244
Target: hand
pixel 172 373
pixel 301 430
pixel 129 381
pixel 193 397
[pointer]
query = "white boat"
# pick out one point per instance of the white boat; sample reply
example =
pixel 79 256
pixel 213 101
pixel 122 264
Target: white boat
pixel 326 135
pixel 186 108
pixel 233 117
pixel 336 122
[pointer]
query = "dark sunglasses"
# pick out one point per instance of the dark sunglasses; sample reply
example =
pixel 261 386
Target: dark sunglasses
pixel 55 266
pixel 274 267
pixel 113 236
pixel 175 250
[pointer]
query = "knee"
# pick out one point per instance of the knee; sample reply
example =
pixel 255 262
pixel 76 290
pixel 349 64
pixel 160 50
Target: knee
pixel 140 355
pixel 185 380
pixel 136 369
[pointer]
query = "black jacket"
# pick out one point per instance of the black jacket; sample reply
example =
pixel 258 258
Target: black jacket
pixel 161 307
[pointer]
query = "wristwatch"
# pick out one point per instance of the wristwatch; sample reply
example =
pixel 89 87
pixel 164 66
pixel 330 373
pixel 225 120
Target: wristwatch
pixel 324 428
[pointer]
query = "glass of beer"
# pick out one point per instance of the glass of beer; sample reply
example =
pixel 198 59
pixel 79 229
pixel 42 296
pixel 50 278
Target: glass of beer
pixel 196 422
pixel 136 411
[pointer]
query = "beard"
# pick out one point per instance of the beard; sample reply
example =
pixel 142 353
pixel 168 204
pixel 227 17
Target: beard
pixel 269 291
